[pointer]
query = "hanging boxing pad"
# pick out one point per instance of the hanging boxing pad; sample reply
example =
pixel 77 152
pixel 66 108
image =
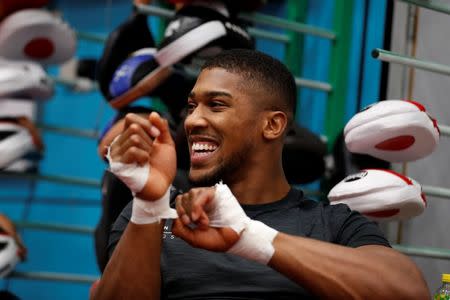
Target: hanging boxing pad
pixel 8 254
pixel 19 139
pixel 381 195
pixel 393 130
pixel 128 37
pixel 24 79
pixel 38 35
pixel 9 6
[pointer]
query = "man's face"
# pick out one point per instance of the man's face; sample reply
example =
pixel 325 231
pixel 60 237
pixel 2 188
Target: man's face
pixel 221 127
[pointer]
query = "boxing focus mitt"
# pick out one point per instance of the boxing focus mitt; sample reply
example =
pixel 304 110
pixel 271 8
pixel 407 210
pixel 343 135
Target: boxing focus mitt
pixel 38 35
pixel 381 195
pixel 393 130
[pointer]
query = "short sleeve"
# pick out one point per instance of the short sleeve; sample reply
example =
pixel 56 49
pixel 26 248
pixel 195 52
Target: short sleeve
pixel 353 229
pixel 119 227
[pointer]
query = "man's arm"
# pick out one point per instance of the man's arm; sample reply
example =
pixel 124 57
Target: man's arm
pixel 327 270
pixel 332 271
pixel 133 271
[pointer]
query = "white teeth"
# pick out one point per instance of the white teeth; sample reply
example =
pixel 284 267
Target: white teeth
pixel 203 147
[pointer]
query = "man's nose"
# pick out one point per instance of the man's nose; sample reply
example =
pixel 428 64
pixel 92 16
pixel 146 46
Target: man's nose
pixel 196 119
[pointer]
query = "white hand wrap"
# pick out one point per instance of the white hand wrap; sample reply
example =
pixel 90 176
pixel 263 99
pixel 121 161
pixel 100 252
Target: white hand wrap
pixel 225 210
pixel 135 177
pixel 255 242
pixel 256 238
pixel 147 212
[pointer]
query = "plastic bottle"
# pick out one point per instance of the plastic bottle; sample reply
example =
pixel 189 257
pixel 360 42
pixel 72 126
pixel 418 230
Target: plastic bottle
pixel 443 293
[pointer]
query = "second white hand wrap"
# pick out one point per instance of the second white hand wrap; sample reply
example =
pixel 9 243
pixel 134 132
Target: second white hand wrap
pixel 147 212
pixel 256 238
pixel 135 177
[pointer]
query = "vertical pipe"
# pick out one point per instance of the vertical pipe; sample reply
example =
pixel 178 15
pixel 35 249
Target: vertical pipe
pixel 296 11
pixel 338 73
pixel 411 47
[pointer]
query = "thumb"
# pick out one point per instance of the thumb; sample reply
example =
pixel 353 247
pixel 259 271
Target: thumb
pixel 163 127
pixel 182 231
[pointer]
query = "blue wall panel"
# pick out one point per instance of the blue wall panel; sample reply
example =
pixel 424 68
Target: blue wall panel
pixel 77 157
pixel 375 37
pixel 316 61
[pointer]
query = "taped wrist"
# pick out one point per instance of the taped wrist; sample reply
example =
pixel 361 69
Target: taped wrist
pixel 147 212
pixel 135 177
pixel 256 238
pixel 255 242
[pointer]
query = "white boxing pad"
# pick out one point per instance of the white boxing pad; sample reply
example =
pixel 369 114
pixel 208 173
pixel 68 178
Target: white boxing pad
pixel 17 107
pixel 24 79
pixel 38 35
pixel 8 255
pixel 381 195
pixel 16 141
pixel 393 130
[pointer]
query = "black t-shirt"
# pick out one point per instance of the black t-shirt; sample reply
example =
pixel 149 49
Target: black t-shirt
pixel 191 273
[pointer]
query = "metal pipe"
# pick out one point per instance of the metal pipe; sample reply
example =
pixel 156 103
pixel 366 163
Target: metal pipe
pixel 444 129
pixel 393 57
pixel 300 82
pixel 88 36
pixel 269 35
pixel 436 191
pixel 423 251
pixel 430 4
pixel 318 85
pixel 167 13
pixel 91 134
pixel 256 18
pixel 262 19
pixel 52 178
pixel 78 84
pixel 54 227
pixel 53 276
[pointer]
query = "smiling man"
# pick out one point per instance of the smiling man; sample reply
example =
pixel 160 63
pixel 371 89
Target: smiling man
pixel 243 232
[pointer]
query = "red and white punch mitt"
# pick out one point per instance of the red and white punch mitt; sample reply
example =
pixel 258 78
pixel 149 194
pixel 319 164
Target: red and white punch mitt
pixel 393 130
pixel 24 79
pixel 38 35
pixel 381 195
pixel 9 254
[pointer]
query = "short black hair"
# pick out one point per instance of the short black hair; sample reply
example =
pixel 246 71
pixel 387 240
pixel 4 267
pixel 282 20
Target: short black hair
pixel 261 69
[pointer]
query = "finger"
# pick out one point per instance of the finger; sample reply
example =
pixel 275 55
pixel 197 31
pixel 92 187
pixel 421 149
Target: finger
pixel 131 118
pixel 199 203
pixel 137 130
pixel 181 211
pixel 135 155
pixel 163 127
pixel 203 221
pixel 183 231
pixel 134 141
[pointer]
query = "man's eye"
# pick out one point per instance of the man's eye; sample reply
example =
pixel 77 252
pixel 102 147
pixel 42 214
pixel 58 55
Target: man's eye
pixel 216 104
pixel 191 106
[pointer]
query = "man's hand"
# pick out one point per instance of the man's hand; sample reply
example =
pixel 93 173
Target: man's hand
pixel 195 208
pixel 147 141
pixel 220 224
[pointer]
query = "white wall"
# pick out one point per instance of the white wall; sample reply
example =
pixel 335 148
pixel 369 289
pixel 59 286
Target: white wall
pixel 432 228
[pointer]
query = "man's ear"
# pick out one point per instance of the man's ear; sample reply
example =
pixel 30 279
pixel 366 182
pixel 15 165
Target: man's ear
pixel 275 124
